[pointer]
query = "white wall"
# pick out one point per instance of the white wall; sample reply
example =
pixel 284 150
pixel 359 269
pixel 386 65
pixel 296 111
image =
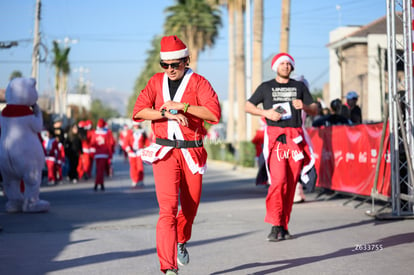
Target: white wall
pixel 81 100
pixel 334 68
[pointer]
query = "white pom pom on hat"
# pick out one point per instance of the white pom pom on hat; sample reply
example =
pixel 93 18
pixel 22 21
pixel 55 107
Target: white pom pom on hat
pixel 172 48
pixel 279 58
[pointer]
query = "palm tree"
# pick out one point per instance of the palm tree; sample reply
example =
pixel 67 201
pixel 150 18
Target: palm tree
pixel 231 83
pixel 257 49
pixel 240 70
pixel 196 22
pixel 62 70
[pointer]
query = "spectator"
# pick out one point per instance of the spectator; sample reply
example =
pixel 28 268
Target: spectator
pixel 335 118
pixel 73 151
pixel 58 131
pixel 355 113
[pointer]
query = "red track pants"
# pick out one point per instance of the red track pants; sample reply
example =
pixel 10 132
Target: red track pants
pixel 136 169
pixel 173 180
pixel 284 175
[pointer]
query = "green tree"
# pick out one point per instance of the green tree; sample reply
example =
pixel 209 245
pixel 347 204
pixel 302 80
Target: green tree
pixel 99 110
pixel 151 67
pixel 15 74
pixel 62 70
pixel 196 22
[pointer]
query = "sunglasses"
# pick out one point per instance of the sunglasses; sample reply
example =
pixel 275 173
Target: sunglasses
pixel 175 65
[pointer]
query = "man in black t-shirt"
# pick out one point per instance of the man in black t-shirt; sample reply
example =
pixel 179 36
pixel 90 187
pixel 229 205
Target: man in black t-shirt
pixel 285 148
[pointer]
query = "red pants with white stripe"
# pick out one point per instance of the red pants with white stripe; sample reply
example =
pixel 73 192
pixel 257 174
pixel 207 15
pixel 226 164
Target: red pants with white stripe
pixel 136 169
pixel 284 175
pixel 173 182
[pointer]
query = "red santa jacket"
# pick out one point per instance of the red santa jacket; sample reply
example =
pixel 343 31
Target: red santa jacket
pixel 198 92
pixel 51 146
pixel 101 143
pixel 135 139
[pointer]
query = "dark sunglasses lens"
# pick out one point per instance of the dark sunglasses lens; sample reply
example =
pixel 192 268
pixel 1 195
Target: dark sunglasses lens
pixel 173 65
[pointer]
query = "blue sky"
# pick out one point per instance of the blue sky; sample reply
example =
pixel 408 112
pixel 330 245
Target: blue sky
pixel 113 39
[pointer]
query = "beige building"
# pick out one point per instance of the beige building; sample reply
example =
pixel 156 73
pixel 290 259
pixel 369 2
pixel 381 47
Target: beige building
pixel 358 62
pixel 2 98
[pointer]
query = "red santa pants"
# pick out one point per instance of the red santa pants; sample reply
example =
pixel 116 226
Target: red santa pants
pixel 84 165
pixel 173 180
pixel 136 169
pixel 51 170
pixel 284 175
pixel 101 164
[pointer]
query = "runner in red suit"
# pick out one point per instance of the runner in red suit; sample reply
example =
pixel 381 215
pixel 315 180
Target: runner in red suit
pixel 101 142
pixel 135 141
pixel 285 149
pixel 51 146
pixel 84 163
pixel 177 102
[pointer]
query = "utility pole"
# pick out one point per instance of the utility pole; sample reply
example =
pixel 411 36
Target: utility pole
pixel 36 43
pixel 285 26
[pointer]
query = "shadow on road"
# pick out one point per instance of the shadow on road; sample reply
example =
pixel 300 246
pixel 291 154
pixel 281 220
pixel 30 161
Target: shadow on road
pixel 348 251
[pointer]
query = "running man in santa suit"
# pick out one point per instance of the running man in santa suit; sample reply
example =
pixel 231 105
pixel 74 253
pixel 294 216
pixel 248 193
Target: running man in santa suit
pixel 134 142
pixel 285 149
pixel 177 101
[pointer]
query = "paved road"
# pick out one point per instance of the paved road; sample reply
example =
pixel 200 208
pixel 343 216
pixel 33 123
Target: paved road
pixel 113 232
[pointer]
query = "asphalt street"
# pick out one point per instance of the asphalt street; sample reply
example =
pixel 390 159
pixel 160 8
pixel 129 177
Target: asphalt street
pixel 113 232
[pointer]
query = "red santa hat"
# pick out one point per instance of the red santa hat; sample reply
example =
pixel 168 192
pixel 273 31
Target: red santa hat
pixel 81 124
pixel 172 48
pixel 88 124
pixel 279 58
pixel 101 123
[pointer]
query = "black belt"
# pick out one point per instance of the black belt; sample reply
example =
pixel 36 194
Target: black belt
pixel 179 143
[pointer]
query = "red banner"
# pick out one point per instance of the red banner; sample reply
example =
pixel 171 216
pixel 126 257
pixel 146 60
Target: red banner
pixel 346 158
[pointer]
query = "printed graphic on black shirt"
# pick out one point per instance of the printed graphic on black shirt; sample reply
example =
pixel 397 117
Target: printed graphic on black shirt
pixel 273 95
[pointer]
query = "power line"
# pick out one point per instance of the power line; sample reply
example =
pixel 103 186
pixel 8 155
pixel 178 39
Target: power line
pixel 8 45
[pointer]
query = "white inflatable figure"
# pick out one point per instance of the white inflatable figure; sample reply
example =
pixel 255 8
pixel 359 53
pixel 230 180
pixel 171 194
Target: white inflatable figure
pixel 21 152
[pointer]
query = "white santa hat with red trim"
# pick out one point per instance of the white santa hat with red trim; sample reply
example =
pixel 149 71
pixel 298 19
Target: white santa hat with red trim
pixel 279 58
pixel 172 48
